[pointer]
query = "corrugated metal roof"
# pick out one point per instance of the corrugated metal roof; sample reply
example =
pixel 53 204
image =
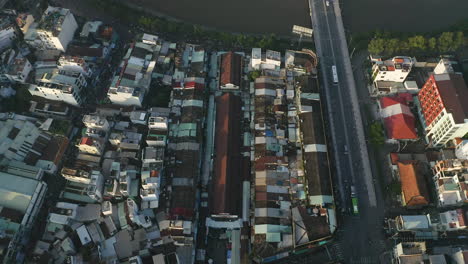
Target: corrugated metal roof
pixel 16 191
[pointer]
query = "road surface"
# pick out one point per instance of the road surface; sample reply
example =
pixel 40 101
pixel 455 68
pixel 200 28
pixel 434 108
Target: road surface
pixel 359 238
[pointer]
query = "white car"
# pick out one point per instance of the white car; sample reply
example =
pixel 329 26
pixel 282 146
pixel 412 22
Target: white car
pixel 327 2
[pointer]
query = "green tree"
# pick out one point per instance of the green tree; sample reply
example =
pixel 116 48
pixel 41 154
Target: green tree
pixel 458 41
pixel 417 43
pixel 186 28
pixel 445 42
pixel 432 44
pixel 392 46
pixel 376 46
pixel 198 31
pixel 145 21
pixel 404 46
pixel 376 134
pixel 254 75
pixel 395 188
pixel 241 39
pixel 172 27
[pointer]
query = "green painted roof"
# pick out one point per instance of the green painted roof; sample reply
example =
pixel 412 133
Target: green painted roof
pixel 183 130
pixel 273 237
pixel 450 186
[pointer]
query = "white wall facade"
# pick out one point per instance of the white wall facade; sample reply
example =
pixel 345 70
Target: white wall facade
pixel 56 94
pixel 22 75
pixel 7 35
pixel 461 150
pixel 125 96
pixel 46 40
pixel 444 129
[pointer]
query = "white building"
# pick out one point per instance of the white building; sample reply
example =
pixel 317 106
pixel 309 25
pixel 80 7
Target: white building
pixel 149 39
pixel 74 64
pixel 8 34
pixel 60 86
pixel 93 146
pixel 443 108
pixel 96 122
pixel 270 60
pixel 256 58
pixel 93 180
pixel 90 27
pixel 126 96
pixel 157 132
pixel 450 183
pixel 139 117
pixel 461 150
pixel 19 70
pixel 453 219
pixel 54 31
pixel 131 83
pixel 153 158
pixel 394 70
pixel 446 65
pixel 24 21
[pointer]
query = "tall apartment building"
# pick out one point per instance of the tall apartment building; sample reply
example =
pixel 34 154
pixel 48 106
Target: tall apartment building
pixel 443 108
pixel 60 85
pixel 54 31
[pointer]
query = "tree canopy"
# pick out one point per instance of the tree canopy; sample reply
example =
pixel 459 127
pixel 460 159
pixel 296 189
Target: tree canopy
pixel 385 45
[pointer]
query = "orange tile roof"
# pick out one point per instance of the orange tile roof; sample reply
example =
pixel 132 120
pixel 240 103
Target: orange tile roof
pixel 413 184
pixel 394 158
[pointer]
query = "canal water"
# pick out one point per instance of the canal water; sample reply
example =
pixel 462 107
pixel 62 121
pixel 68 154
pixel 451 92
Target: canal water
pixel 403 15
pixel 250 16
pixel 278 16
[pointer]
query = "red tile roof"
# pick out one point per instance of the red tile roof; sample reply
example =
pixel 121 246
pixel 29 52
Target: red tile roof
pixel 231 68
pixel 227 180
pixel 394 158
pixel 194 85
pixel 413 184
pixel 461 217
pixel 444 91
pixel 86 141
pixel 399 121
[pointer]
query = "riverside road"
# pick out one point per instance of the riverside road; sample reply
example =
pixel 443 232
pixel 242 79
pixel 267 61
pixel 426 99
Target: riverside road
pixel 359 238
